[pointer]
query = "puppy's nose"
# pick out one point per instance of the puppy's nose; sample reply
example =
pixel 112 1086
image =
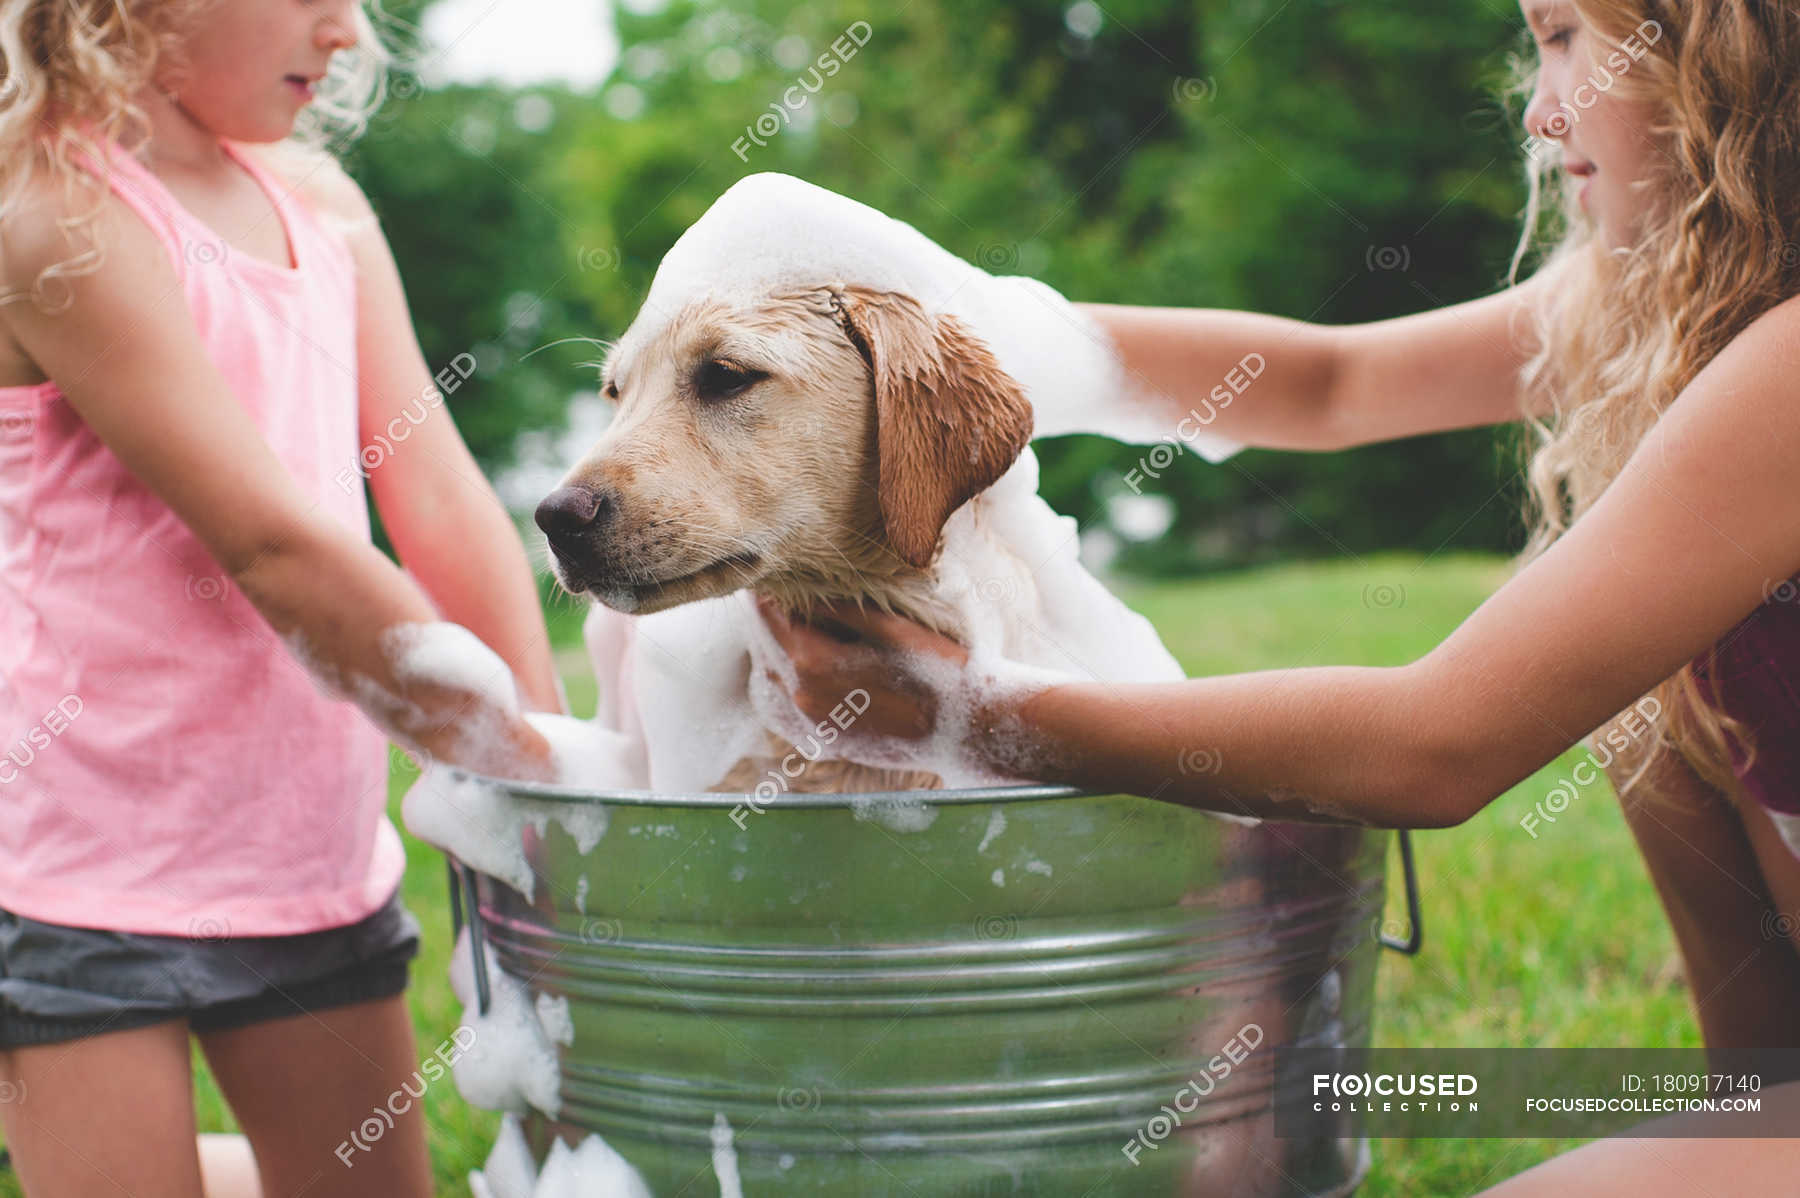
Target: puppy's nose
pixel 567 512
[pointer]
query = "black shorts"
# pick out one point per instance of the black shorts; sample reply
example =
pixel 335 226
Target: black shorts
pixel 61 983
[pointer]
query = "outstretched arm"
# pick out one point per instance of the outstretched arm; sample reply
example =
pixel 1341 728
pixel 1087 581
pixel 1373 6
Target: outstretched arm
pixel 1323 387
pixel 1689 538
pixel 447 524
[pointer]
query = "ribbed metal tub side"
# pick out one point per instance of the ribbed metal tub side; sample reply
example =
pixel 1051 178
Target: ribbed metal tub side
pixel 948 993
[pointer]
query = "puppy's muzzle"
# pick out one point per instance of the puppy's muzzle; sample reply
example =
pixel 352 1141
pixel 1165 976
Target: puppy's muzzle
pixel 570 517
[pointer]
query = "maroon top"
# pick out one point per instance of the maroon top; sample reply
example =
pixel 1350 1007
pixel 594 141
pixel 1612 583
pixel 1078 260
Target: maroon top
pixel 1757 680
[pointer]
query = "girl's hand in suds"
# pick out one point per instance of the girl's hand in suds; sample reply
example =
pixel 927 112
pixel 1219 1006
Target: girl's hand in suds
pixel 841 649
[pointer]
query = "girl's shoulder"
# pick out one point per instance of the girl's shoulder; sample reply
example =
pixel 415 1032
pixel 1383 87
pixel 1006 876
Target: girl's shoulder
pixel 1768 345
pixel 49 223
pixel 33 229
pixel 320 182
pixel 1784 316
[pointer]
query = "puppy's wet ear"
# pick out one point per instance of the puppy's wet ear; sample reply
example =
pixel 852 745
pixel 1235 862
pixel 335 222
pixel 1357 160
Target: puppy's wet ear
pixel 948 421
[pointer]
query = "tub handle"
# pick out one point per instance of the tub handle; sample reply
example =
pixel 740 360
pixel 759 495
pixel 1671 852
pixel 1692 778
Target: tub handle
pixel 462 883
pixel 1415 934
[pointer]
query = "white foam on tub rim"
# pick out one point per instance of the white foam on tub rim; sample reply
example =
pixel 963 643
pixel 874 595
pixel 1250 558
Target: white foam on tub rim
pixel 901 815
pixel 483 827
pixel 476 823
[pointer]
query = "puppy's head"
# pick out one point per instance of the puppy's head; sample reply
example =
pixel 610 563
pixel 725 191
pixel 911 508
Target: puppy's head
pixel 800 443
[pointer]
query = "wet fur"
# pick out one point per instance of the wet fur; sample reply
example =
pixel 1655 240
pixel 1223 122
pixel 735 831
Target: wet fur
pixel 879 420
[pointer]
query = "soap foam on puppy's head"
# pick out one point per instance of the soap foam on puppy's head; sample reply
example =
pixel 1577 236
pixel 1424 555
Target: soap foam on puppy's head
pixel 745 451
pixel 770 233
pixel 824 294
pixel 810 446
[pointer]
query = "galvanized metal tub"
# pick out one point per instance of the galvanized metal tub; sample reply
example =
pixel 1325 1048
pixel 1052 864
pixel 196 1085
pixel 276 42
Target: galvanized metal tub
pixel 875 1010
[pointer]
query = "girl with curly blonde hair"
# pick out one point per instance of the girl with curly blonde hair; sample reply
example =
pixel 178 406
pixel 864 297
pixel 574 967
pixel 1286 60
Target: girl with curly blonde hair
pixel 203 338
pixel 1654 353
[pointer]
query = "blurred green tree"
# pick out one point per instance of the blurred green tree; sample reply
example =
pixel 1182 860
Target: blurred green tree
pixel 1315 158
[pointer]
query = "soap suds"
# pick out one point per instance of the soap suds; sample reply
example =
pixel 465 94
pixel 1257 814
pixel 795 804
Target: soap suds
pixel 960 693
pixel 694 682
pixel 483 827
pixel 996 825
pixel 594 1170
pixel 452 658
pixel 998 877
pixel 509 1171
pixel 389 710
pixel 449 655
pixel 553 1017
pixel 724 1159
pixel 772 232
pixel 902 815
pixel 475 822
pixel 591 756
pixel 511 1063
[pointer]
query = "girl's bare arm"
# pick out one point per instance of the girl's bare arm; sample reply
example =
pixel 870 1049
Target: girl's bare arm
pixel 129 360
pixel 446 523
pixel 1324 387
pixel 1700 526
pixel 1697 529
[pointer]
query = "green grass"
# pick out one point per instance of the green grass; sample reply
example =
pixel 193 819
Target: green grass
pixel 1557 941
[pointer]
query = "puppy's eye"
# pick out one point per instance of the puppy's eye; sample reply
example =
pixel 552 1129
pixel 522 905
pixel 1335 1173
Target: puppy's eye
pixel 721 380
pixel 612 390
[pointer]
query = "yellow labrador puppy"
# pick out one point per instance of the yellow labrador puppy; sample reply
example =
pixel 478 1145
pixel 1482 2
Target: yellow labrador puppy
pixel 805 413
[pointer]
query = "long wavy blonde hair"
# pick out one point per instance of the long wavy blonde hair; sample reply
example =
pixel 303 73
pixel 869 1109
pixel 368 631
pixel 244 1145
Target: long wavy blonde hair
pixel 1717 246
pixel 70 75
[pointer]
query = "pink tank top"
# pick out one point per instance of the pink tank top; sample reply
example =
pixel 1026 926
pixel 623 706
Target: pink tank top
pixel 166 766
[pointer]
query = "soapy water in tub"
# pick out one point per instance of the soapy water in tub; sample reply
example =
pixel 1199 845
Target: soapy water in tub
pixel 686 693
